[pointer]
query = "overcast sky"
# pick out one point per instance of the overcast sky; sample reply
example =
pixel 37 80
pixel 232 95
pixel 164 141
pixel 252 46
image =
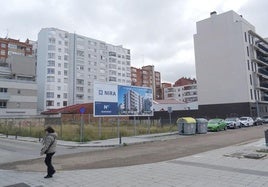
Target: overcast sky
pixel 158 32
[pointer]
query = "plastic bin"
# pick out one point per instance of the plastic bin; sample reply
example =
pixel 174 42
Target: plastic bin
pixel 186 125
pixel 201 125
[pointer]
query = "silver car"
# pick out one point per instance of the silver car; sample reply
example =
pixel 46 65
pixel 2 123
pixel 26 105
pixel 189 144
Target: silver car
pixel 233 123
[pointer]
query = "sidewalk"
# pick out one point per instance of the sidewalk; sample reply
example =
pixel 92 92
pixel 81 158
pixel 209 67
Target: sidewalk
pixel 104 143
pixel 221 167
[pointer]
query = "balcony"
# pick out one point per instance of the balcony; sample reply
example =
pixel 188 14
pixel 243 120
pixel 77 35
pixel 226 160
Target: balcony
pixel 263 71
pixel 263 48
pixel 4 96
pixel 264 85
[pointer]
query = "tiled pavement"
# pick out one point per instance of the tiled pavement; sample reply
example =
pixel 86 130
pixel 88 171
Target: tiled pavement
pixel 220 167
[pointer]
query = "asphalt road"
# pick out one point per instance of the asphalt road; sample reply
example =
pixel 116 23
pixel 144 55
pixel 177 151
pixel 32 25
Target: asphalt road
pixel 13 150
pixel 144 153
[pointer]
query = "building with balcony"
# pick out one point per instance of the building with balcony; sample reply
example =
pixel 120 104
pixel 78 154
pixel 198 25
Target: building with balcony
pixel 186 93
pixel 147 77
pixel 231 66
pixel 18 88
pixel 68 64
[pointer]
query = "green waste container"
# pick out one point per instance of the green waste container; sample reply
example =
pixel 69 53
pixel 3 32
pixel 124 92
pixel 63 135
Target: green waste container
pixel 201 125
pixel 186 125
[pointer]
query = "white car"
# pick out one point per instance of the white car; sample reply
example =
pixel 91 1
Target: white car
pixel 233 122
pixel 246 121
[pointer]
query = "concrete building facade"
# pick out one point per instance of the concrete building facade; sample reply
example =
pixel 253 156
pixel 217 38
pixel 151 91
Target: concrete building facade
pixel 231 66
pixel 147 77
pixel 18 88
pixel 68 64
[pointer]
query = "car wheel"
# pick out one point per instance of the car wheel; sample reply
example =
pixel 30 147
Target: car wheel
pixel 235 127
pixel 218 129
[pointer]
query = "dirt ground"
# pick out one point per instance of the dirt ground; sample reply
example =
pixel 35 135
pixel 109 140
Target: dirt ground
pixel 145 152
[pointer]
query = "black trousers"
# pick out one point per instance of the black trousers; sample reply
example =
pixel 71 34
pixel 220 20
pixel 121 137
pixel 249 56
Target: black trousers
pixel 48 161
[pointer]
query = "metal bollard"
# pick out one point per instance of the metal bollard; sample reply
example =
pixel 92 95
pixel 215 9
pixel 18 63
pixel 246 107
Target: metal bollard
pixel 120 139
pixel 266 137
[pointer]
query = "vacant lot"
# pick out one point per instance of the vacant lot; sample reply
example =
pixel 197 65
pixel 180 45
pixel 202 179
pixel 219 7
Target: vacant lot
pixel 145 153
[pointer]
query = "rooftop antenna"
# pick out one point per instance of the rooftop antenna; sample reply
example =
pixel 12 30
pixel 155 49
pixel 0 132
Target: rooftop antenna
pixel 7 34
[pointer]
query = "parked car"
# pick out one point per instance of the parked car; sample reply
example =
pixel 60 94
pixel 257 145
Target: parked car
pixel 246 121
pixel 233 122
pixel 265 119
pixel 217 124
pixel 258 121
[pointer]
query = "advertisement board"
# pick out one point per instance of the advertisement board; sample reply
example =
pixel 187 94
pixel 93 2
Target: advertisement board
pixel 122 100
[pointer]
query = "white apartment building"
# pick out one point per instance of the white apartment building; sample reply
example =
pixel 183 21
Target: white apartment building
pixel 186 93
pixel 68 64
pixel 231 66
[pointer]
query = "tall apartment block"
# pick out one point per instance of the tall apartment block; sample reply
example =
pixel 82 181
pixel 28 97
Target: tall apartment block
pixel 147 77
pixel 18 89
pixel 231 66
pixel 68 64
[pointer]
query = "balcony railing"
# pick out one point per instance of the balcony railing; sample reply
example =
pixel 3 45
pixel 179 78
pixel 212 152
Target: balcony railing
pixel 263 71
pixel 263 48
pixel 264 85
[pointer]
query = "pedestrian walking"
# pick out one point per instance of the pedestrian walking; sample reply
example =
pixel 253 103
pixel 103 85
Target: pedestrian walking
pixel 49 148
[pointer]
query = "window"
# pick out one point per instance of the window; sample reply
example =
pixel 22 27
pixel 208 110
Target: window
pixel 19 91
pixel 65 95
pixel 80 53
pixel 248 65
pixel 50 94
pixel 80 81
pixel 64 103
pixel 66 57
pixel 58 96
pixel 65 73
pixel 59 57
pixel 247 51
pixel 251 95
pixel 65 65
pixel 50 103
pixel 3 52
pixel 51 63
pixel 59 50
pixel 3 104
pixel 79 96
pixel 51 55
pixel 51 40
pixel 3 90
pixel 80 89
pixel 3 45
pixel 250 79
pixel 245 37
pixel 51 47
pixel 50 79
